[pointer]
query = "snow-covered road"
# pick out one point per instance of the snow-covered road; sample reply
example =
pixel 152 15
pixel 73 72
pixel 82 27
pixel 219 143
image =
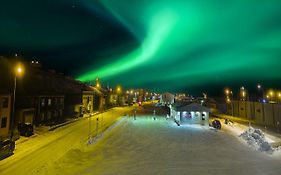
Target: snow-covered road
pixel 37 155
pixel 145 146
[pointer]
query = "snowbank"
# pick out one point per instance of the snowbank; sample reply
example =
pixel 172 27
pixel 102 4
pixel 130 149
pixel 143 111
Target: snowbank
pixel 256 139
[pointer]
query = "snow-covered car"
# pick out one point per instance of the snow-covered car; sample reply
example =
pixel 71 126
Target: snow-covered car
pixel 6 148
pixel 216 124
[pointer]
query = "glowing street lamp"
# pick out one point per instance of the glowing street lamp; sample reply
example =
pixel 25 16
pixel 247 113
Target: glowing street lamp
pixel 98 85
pixel 18 73
pixel 229 98
pixel 261 91
pixel 271 93
pixel 227 91
pixel 118 89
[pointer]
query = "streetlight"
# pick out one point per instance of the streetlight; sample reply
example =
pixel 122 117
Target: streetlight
pixel 243 93
pixel 229 100
pixel 261 91
pixel 98 85
pixel 119 91
pixel 227 91
pixel 271 95
pixel 18 72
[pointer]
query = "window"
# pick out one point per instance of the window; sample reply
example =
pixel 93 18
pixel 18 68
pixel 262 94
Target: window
pixel 49 102
pixel 43 102
pixel 5 102
pixel 42 116
pixel 4 122
pixel 61 101
pixel 60 112
pixel 49 115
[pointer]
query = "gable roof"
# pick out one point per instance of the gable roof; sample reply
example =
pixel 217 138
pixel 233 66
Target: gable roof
pixel 193 107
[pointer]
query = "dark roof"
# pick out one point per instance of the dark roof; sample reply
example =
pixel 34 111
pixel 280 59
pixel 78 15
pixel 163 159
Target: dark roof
pixel 178 104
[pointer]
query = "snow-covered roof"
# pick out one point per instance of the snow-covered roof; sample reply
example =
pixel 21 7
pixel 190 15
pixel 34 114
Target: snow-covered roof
pixel 193 107
pixel 168 94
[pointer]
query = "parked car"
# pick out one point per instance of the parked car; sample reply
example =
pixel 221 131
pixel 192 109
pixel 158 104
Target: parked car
pixel 216 124
pixel 7 148
pixel 26 129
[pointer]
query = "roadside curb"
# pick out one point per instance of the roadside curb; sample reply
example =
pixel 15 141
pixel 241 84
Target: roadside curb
pixel 69 122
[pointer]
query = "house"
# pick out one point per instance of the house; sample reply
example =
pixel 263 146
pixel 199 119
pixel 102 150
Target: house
pixel 193 113
pixel 87 101
pixel 167 98
pixel 5 115
pixel 44 109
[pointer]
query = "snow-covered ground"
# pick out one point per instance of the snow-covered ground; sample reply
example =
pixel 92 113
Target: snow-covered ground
pixel 36 155
pixel 146 146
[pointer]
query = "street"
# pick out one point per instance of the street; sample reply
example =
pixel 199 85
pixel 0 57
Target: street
pixel 35 155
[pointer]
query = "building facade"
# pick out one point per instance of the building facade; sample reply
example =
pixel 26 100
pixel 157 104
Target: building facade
pixel 86 102
pixel 167 98
pixel 5 115
pixel 193 113
pixel 39 109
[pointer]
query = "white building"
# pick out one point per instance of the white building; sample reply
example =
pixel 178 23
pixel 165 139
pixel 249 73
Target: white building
pixel 193 113
pixel 167 98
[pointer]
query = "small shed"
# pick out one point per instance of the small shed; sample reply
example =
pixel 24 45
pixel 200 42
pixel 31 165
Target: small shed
pixel 193 113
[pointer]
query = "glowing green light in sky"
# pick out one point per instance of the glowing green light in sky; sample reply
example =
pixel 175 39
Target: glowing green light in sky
pixel 146 51
pixel 187 39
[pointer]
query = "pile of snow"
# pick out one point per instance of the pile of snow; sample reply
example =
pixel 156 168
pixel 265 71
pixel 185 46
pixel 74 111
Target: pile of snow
pixel 256 139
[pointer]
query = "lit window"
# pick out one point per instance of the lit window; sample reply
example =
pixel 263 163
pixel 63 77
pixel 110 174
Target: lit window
pixel 43 102
pixel 49 102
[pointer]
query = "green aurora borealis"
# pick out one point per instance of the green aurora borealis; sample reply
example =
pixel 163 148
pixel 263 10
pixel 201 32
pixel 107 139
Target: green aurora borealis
pixel 164 45
pixel 191 43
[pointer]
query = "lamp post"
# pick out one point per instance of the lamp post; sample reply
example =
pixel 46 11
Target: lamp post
pixel 118 94
pixel 261 91
pixel 229 100
pixel 18 72
pixel 243 94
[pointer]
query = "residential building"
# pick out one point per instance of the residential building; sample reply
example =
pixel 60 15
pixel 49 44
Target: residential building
pixel 87 101
pixel 40 109
pixel 167 98
pixel 5 115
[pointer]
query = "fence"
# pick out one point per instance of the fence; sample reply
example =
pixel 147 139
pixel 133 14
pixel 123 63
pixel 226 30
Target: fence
pixel 261 113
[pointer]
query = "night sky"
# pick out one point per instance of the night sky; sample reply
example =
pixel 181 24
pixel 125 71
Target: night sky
pixel 179 45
